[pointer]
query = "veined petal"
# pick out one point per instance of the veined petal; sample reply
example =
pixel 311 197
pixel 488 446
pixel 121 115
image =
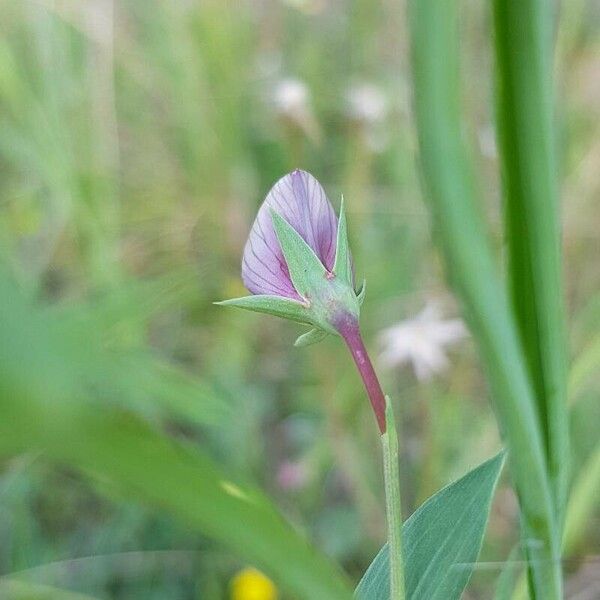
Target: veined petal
pixel 299 198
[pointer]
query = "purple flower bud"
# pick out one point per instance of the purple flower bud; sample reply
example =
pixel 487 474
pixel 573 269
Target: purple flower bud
pixel 310 279
pixel 299 198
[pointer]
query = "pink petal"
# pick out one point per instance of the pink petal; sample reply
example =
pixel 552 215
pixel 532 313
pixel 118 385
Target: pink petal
pixel 301 201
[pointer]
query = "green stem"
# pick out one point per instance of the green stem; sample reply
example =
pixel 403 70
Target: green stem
pixel 382 408
pixel 389 441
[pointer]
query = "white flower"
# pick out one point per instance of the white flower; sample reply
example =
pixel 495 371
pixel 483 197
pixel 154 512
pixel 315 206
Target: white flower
pixel 292 102
pixel 291 97
pixel 421 341
pixel 366 103
pixel 367 107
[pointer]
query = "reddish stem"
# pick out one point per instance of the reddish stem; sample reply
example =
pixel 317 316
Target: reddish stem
pixel 349 329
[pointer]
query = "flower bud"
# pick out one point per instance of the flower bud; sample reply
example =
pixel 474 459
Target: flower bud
pixel 297 262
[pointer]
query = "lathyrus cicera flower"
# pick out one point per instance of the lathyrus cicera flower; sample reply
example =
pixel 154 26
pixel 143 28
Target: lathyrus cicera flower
pixel 298 266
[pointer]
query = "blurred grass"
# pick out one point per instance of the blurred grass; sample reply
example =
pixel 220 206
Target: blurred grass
pixel 138 140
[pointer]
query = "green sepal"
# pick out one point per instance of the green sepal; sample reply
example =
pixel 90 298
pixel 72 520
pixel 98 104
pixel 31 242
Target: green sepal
pixel 272 305
pixel 306 270
pixel 311 337
pixel 342 267
pixel 360 294
pixel 324 297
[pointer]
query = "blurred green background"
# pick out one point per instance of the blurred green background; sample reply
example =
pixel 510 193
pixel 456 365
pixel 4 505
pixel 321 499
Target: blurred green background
pixel 138 138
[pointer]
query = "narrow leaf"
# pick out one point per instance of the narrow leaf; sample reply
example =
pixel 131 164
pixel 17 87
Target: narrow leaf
pixel 441 540
pixel 311 337
pixel 306 270
pixel 272 305
pixel 45 409
pixel 474 274
pixel 524 33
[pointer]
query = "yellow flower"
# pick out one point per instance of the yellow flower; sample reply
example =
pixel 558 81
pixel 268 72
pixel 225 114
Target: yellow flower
pixel 251 584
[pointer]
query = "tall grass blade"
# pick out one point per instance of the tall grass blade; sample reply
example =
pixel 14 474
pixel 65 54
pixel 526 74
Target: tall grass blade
pixel 45 408
pixel 524 34
pixel 451 192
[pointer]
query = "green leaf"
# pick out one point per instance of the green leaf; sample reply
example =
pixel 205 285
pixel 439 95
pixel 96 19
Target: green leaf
pixel 306 270
pixel 343 262
pixel 441 540
pixel 475 276
pixel 167 391
pixel 524 35
pixel 311 337
pixel 45 410
pixel 272 305
pixel 172 478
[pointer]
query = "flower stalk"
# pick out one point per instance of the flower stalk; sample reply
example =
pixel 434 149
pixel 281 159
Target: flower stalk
pixel 350 331
pixel 393 504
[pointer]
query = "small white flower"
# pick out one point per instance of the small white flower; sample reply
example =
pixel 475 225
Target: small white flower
pixel 366 103
pixel 292 102
pixel 367 107
pixel 421 341
pixel 291 97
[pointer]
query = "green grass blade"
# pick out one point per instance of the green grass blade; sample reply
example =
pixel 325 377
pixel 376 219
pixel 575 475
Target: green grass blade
pixel 473 273
pixel 170 477
pixel 44 409
pixel 524 34
pixel 583 503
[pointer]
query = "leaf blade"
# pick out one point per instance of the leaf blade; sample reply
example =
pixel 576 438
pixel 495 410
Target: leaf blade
pixel 50 413
pixel 436 579
pixel 524 36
